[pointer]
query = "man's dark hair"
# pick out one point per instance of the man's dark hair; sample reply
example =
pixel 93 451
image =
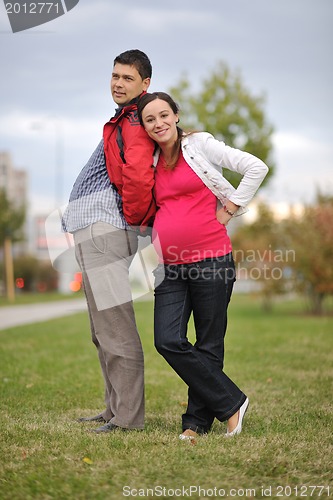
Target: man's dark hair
pixel 138 59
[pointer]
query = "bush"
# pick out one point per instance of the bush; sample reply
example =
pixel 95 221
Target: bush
pixel 37 275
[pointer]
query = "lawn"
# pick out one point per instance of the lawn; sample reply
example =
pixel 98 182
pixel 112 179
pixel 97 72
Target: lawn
pixel 33 297
pixel 49 376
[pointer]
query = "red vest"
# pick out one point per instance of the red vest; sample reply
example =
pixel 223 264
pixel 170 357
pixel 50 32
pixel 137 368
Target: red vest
pixel 129 162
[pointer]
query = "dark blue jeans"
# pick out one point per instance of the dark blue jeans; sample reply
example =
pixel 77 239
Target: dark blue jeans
pixel 203 288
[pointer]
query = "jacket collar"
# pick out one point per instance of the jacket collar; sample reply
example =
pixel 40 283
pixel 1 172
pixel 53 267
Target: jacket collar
pixel 129 106
pixel 185 140
pixel 126 108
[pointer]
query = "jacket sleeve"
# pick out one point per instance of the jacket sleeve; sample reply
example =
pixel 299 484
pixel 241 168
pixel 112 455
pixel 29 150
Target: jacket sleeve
pixel 138 174
pixel 249 166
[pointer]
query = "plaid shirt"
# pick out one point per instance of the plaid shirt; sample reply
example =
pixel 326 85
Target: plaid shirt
pixel 93 199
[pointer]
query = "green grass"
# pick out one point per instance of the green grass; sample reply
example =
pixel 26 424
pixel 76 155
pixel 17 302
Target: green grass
pixel 49 375
pixel 35 297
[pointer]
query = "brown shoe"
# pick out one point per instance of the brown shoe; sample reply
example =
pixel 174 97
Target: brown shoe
pixel 189 435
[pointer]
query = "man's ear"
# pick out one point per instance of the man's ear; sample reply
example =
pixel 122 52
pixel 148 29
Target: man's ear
pixel 145 83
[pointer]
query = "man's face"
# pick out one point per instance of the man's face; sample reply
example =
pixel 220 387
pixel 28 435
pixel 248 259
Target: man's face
pixel 126 83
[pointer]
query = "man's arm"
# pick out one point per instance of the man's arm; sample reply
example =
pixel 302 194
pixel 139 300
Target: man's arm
pixel 138 174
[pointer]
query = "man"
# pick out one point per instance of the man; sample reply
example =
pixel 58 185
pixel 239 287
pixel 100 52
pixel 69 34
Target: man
pixel 110 200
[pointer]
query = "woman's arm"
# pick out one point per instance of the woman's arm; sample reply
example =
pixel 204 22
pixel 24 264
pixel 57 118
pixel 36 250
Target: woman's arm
pixel 249 166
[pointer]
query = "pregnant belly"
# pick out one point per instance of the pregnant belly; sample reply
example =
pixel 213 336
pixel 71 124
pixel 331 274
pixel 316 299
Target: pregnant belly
pixel 178 242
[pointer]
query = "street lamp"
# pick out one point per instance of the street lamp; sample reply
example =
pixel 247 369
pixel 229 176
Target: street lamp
pixel 56 235
pixel 58 155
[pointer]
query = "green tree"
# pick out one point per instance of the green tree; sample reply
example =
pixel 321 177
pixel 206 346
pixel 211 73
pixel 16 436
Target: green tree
pixel 11 220
pixel 225 108
pixel 11 224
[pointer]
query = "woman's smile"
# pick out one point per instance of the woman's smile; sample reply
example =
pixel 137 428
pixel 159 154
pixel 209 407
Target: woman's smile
pixel 160 122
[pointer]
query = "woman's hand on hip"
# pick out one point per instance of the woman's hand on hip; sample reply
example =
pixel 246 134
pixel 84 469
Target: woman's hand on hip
pixel 222 216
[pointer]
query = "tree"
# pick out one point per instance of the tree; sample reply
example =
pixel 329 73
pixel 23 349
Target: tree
pixel 311 236
pixel 36 275
pixel 295 254
pixel 261 254
pixel 26 268
pixel 11 224
pixel 11 220
pixel 226 109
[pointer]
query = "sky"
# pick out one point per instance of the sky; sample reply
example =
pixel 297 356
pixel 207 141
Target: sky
pixel 55 95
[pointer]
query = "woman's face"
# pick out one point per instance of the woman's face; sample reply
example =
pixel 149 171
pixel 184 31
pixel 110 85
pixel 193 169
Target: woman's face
pixel 159 122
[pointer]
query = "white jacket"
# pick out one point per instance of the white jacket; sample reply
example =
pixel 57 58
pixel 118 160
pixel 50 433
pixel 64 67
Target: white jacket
pixel 207 157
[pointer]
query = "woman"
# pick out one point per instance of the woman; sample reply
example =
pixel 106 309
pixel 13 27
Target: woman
pixel 197 272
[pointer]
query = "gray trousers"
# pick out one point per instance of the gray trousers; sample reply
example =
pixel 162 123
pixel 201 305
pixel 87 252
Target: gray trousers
pixel 104 254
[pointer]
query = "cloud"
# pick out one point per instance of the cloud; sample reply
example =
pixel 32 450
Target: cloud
pixel 165 21
pixel 290 144
pixel 21 126
pixel 303 166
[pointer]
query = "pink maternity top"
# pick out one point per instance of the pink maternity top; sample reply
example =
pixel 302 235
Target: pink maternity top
pixel 186 228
